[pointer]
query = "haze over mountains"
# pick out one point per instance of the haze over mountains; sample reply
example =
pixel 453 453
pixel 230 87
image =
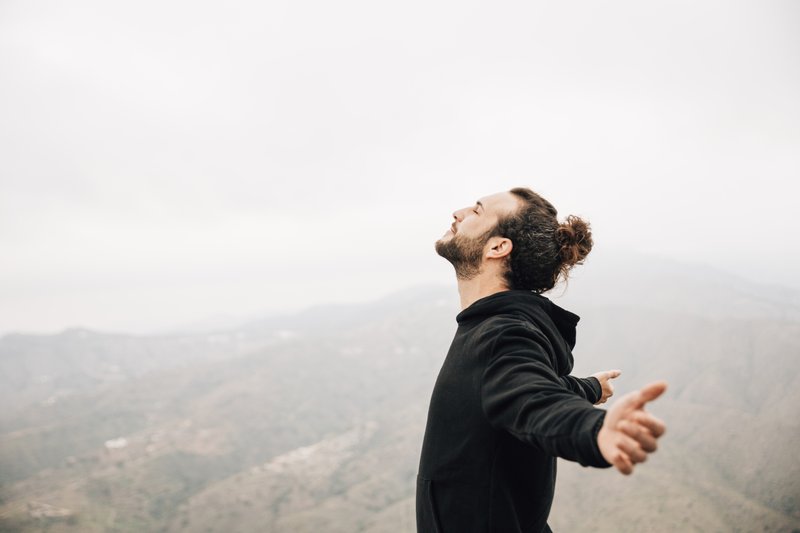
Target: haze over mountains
pixel 313 421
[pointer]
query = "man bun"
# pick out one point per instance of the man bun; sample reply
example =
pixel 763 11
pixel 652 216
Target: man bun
pixel 544 250
pixel 574 237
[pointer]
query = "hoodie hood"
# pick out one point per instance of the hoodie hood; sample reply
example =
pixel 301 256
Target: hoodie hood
pixel 528 305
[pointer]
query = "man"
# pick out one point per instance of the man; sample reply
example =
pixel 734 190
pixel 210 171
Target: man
pixel 504 405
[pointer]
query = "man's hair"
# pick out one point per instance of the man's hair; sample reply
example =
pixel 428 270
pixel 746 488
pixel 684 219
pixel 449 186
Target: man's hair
pixel 543 249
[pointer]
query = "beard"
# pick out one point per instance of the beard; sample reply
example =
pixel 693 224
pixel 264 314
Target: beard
pixel 464 253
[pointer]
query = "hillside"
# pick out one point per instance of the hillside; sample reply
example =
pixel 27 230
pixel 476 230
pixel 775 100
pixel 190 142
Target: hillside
pixel 313 422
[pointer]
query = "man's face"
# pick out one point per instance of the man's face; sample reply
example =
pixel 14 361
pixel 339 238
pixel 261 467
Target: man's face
pixel 465 242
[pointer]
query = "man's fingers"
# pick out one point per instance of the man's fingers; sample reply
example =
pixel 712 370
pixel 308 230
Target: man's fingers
pixel 623 463
pixel 635 431
pixel 608 374
pixel 656 426
pixel 632 449
pixel 640 434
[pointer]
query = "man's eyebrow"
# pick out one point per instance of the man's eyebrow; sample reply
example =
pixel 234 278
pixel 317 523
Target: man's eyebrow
pixel 480 205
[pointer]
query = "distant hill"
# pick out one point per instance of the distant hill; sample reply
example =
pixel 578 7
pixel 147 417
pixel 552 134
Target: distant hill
pixel 313 421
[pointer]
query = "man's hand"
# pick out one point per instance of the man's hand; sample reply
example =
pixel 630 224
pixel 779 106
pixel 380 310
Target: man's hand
pixel 605 383
pixel 629 433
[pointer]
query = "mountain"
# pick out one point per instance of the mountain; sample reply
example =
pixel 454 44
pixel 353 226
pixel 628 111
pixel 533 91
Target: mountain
pixel 313 421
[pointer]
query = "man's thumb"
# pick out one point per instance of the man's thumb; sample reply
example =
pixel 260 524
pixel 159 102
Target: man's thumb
pixel 651 391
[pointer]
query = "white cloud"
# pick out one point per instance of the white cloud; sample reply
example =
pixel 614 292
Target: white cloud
pixel 267 156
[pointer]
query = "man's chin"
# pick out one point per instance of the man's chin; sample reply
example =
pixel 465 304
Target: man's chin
pixel 445 239
pixel 440 247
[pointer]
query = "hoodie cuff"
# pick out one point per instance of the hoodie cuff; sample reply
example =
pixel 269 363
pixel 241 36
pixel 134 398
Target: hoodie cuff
pixel 597 389
pixel 587 442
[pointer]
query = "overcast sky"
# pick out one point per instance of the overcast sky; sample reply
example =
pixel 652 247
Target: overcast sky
pixel 163 162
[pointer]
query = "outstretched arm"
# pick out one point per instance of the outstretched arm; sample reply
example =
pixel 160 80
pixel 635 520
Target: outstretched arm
pixel 522 394
pixel 588 388
pixel 597 388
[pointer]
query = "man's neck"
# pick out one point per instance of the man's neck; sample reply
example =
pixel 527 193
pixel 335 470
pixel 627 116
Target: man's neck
pixel 479 287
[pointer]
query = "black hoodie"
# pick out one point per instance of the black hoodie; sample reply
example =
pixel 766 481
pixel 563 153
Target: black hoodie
pixel 503 408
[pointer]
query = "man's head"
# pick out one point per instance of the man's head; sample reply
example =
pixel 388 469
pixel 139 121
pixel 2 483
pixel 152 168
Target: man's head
pixel 516 237
pixel 471 244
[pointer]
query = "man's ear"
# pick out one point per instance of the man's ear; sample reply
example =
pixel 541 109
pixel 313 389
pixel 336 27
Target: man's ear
pixel 499 247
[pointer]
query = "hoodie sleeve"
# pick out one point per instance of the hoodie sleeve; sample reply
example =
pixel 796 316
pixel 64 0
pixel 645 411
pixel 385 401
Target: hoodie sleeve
pixel 588 388
pixel 521 393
